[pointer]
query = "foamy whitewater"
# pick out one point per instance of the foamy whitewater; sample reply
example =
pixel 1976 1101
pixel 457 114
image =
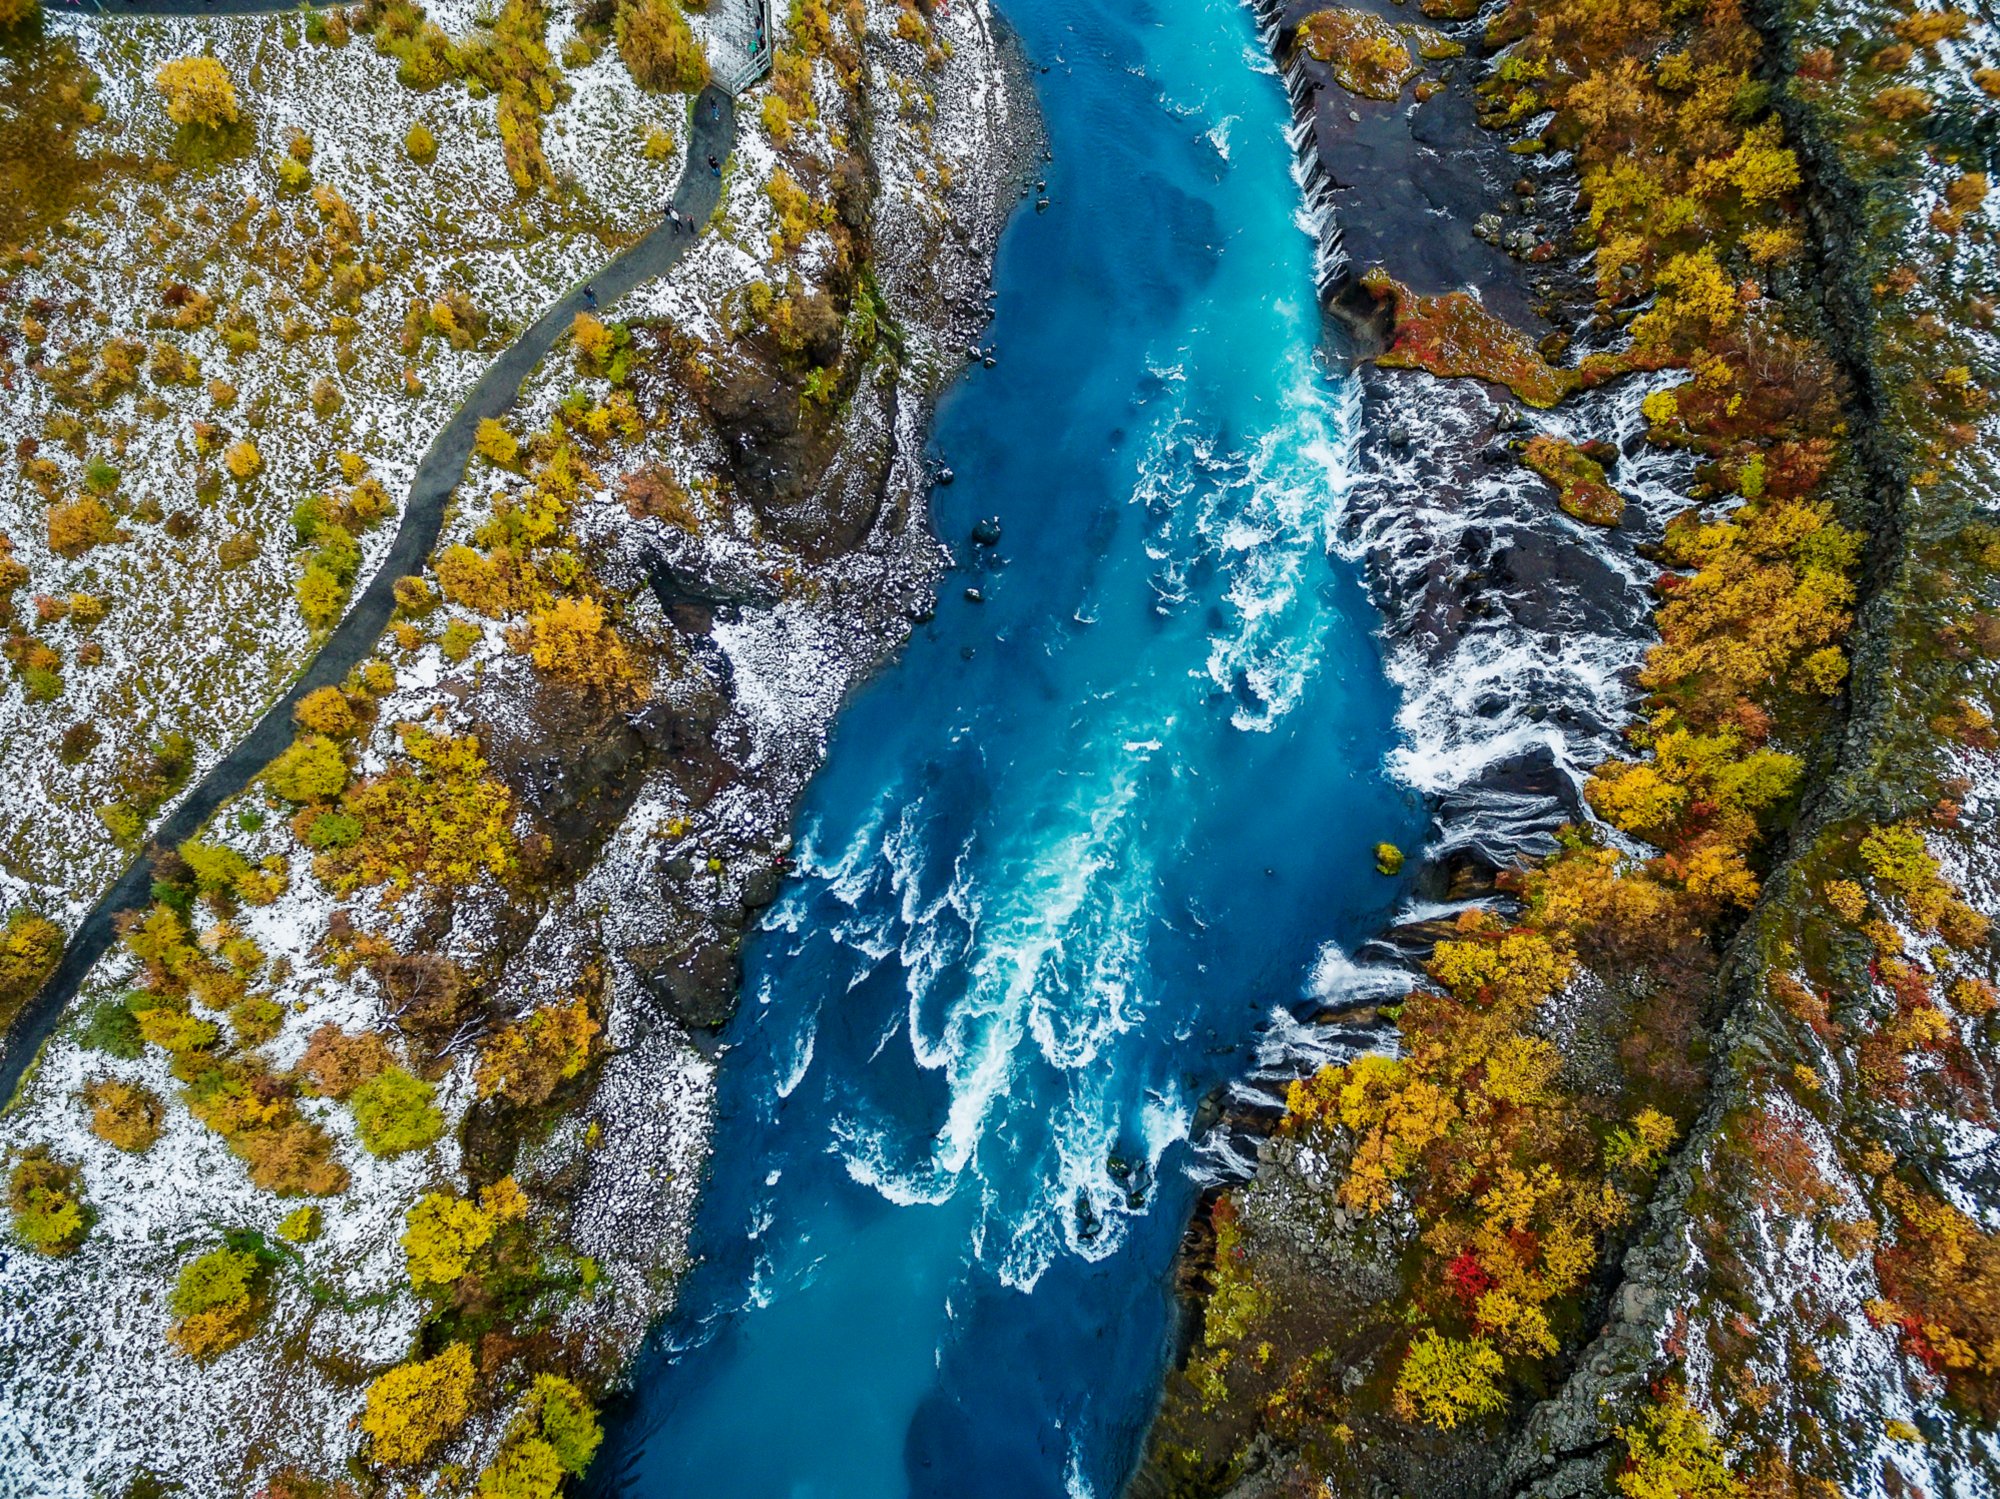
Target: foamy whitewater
pixel 1079 859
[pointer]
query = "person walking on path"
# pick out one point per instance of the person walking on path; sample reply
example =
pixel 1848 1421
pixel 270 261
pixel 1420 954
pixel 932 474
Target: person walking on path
pixel 590 297
pixel 714 166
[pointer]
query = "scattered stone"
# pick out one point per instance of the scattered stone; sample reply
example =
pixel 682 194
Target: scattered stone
pixel 974 596
pixel 945 476
pixel 986 533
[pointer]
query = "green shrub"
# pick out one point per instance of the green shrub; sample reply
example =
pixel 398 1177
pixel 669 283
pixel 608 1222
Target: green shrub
pixel 46 1197
pixel 393 1112
pixel 214 1303
pixel 112 1028
pixel 333 830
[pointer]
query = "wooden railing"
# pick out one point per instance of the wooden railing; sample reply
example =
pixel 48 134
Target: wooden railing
pixel 759 61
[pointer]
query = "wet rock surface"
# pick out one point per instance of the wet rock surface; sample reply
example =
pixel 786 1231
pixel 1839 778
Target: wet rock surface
pixel 1513 630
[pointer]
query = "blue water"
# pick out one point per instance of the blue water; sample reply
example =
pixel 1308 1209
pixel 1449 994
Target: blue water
pixel 1067 855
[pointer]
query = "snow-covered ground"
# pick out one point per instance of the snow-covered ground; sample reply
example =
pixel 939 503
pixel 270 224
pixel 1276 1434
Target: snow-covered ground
pixel 94 1393
pixel 190 644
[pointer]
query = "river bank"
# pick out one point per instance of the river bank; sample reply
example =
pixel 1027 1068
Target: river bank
pixel 634 804
pixel 1735 1300
pixel 1520 604
pixel 1511 630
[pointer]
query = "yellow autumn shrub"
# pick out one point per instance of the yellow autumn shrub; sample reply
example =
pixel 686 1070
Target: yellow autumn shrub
pixel 441 1234
pixel 198 92
pixel 412 1409
pixel 1673 1454
pixel 1446 1381
pixel 572 639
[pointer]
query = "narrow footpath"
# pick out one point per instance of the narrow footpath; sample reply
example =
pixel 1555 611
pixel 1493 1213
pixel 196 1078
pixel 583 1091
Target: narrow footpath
pixel 354 638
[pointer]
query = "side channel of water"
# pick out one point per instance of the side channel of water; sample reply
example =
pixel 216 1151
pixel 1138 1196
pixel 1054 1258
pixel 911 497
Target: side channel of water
pixel 1071 858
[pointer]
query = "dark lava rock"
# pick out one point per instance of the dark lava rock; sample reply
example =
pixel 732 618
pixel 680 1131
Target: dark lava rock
pixel 696 984
pixel 974 596
pixel 945 476
pixel 986 532
pixel 760 888
pixel 1088 1224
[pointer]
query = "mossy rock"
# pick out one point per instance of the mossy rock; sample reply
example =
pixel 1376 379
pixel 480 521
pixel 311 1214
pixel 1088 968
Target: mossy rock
pixel 1367 56
pixel 1388 859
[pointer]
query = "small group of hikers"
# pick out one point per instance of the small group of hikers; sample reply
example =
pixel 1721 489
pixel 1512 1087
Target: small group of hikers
pixel 677 222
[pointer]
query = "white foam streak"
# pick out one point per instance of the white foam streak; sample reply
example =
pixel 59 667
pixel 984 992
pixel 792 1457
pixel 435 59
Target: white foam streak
pixel 1544 671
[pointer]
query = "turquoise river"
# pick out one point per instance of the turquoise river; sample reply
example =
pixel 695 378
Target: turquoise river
pixel 1075 856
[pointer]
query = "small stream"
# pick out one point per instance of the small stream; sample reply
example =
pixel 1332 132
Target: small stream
pixel 1073 859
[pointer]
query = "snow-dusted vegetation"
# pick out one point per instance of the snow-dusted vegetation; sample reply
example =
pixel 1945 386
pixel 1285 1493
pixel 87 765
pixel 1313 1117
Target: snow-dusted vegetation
pixel 225 323
pixel 375 1140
